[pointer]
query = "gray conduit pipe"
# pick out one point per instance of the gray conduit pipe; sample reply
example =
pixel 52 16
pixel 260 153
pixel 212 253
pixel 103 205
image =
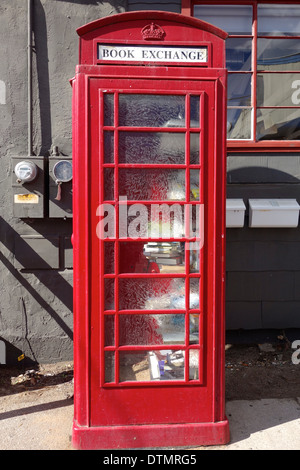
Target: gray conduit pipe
pixel 29 77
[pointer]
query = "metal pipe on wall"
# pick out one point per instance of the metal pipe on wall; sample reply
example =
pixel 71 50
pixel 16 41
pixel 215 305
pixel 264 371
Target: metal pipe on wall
pixel 29 76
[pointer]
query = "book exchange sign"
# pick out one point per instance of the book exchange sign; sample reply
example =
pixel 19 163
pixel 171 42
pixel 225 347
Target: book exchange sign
pixel 126 53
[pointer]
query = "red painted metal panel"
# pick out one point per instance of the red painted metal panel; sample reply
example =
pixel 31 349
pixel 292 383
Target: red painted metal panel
pixel 112 408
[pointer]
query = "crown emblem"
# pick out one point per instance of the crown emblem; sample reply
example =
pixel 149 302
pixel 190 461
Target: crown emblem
pixel 153 31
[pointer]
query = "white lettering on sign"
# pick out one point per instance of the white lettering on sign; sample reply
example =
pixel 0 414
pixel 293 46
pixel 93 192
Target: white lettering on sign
pixel 152 53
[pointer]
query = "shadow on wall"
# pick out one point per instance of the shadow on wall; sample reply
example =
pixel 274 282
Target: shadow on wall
pixel 118 8
pixel 42 67
pixel 262 175
pixel 64 293
pixel 40 32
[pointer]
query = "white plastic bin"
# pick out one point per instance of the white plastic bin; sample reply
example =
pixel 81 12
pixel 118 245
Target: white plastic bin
pixel 273 213
pixel 235 213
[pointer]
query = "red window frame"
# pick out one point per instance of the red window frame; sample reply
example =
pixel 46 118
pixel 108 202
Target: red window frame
pixel 251 145
pixel 187 276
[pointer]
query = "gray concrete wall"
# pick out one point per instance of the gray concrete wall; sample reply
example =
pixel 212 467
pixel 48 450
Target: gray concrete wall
pixel 263 266
pixel 35 254
pixel 165 5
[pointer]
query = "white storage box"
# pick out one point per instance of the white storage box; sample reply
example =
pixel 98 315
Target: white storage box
pixel 273 213
pixel 235 213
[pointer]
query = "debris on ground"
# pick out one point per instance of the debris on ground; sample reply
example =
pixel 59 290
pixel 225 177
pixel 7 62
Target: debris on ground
pixel 40 377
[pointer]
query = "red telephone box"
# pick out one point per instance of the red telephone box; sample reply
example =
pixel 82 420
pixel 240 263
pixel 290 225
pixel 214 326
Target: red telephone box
pixel 149 100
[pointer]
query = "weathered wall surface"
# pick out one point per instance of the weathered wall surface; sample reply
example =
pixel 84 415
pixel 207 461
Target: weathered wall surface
pixel 263 275
pixel 35 254
pixel 263 265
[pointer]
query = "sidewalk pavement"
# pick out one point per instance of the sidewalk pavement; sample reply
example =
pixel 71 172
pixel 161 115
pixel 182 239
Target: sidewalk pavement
pixel 42 420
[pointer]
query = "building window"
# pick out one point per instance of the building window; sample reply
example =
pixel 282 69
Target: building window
pixel 263 62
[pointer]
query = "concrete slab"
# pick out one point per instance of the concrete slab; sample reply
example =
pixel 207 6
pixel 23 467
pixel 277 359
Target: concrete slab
pixel 39 420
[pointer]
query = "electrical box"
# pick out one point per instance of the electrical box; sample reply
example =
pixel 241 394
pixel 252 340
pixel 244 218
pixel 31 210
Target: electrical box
pixel 274 213
pixel 36 252
pixel 60 187
pixel 235 213
pixel 28 187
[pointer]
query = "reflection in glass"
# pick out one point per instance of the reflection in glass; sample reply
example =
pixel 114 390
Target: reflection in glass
pixel 194 185
pixel 194 293
pixel 152 147
pixel 109 109
pixel 278 124
pixel 194 328
pixel 151 329
pixel 109 330
pixel 276 20
pixel 152 184
pixel 109 357
pixel 151 294
pixel 193 364
pixel 108 147
pixel 153 221
pixel 277 89
pixel 239 123
pixel 108 180
pixel 151 110
pixel 238 54
pixel 234 19
pixel 152 257
pixel 278 54
pixel 194 148
pixel 151 365
pixel 109 294
pixel 109 258
pixel 239 89
pixel 194 258
pixel 195 111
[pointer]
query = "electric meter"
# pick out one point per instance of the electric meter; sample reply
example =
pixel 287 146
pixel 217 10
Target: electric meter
pixel 26 171
pixel 63 171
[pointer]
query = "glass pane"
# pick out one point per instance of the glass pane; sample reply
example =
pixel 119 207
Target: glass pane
pixel 277 89
pixel 109 330
pixel 278 124
pixel 152 184
pixel 151 365
pixel 194 254
pixel 151 294
pixel 195 214
pixel 239 89
pixel 152 257
pixel 194 293
pixel 109 258
pixel 109 178
pixel 152 147
pixel 152 110
pixel 153 221
pixel 275 20
pixel 151 329
pixel 194 149
pixel 109 294
pixel 238 54
pixel 194 328
pixel 194 185
pixel 193 364
pixel 108 147
pixel 195 111
pixel 278 54
pixel 234 19
pixel 109 110
pixel 109 357
pixel 239 123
